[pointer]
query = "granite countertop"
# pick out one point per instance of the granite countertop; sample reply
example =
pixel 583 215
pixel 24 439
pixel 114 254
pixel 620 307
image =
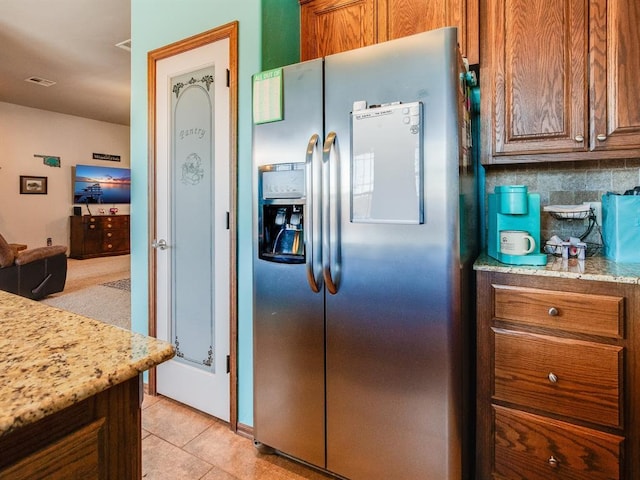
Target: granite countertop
pixel 592 268
pixel 51 359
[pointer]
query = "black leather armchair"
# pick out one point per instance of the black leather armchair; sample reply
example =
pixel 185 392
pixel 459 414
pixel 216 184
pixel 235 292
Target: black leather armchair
pixel 33 273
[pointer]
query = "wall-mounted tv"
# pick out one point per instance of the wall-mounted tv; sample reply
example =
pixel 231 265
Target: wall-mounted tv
pixel 97 184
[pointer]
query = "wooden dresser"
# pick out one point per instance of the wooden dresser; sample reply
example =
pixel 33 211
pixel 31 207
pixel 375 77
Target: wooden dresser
pixel 558 378
pixel 99 235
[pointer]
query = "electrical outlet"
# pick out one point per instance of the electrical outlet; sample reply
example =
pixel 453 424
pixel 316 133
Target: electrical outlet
pixel 597 209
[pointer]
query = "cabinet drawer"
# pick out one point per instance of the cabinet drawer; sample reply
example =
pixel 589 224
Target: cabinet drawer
pixel 537 448
pixel 114 223
pixel 110 235
pixel 107 221
pixel 567 311
pixel 92 229
pixel 578 379
pixel 115 245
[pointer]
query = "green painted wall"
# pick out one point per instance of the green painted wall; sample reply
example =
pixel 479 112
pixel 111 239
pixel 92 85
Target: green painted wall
pixel 154 24
pixel 280 33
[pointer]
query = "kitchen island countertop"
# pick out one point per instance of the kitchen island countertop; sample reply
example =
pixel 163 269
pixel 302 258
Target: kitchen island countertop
pixel 595 268
pixel 51 359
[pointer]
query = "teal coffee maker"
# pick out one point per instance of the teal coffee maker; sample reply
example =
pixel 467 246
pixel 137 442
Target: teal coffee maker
pixel 514 226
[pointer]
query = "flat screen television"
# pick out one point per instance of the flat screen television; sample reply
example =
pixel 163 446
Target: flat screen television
pixel 97 184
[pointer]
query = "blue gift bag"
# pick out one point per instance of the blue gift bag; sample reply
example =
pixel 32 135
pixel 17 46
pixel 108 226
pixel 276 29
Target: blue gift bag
pixel 621 227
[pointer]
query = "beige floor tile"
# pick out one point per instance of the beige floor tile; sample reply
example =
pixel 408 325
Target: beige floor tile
pixel 230 452
pixel 148 400
pixel 167 423
pixel 217 474
pixel 237 456
pixel 163 461
pixel 173 422
pixel 290 470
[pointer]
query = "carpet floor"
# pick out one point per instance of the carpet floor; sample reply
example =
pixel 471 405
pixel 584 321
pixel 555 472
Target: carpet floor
pixel 97 288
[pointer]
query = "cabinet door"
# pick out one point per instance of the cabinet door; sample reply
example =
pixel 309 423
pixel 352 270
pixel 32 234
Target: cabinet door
pixel 333 26
pixel 615 62
pixel 537 71
pixel 77 455
pixel 399 18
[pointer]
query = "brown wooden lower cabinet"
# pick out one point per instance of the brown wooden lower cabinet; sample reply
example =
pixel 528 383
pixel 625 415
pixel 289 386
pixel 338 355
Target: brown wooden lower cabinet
pixel 98 438
pixel 99 236
pixel 558 378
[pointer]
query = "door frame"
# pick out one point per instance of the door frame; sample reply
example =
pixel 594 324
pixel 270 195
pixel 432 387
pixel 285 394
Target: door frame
pixel 230 31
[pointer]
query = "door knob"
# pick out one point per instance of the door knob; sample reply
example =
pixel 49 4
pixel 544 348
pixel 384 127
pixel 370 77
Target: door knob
pixel 160 244
pixel 602 137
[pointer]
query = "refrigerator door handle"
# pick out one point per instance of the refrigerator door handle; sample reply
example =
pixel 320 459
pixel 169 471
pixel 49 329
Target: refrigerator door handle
pixel 330 215
pixel 313 246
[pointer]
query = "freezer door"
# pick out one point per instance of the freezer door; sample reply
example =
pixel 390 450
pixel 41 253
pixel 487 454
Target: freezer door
pixel 288 316
pixel 393 333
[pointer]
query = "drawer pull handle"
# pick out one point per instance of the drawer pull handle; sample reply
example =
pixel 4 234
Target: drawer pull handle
pixel 553 312
pixel 553 378
pixel 579 138
pixel 553 462
pixel 602 137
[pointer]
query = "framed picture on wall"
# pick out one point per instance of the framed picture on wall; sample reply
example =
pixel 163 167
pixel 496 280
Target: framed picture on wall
pixel 33 185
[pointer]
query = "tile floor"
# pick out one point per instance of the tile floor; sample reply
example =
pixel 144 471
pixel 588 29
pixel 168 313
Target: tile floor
pixel 180 443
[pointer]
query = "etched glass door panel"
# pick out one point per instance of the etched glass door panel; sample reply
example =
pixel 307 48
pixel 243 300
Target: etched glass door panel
pixel 192 228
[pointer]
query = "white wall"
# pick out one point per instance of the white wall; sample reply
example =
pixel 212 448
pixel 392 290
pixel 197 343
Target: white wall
pixel 25 132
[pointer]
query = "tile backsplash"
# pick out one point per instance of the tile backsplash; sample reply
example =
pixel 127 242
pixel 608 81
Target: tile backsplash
pixel 570 183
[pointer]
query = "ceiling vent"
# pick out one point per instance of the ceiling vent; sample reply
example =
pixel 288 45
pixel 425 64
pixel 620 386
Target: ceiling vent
pixel 40 81
pixel 126 45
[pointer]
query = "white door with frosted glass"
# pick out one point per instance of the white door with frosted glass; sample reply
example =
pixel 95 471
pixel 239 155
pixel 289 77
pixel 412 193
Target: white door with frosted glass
pixel 192 205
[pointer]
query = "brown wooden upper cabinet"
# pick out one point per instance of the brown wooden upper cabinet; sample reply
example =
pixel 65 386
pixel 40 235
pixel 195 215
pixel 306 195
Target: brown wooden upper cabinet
pixel 333 26
pixel 559 80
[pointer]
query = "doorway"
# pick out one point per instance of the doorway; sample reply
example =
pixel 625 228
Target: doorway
pixel 192 206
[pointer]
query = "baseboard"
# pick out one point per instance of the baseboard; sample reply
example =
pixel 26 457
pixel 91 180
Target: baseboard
pixel 245 430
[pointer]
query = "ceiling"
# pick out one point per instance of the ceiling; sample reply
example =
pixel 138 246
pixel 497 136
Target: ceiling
pixel 71 42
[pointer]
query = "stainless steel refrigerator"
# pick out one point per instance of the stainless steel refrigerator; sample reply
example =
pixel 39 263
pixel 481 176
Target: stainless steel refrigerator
pixel 364 234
